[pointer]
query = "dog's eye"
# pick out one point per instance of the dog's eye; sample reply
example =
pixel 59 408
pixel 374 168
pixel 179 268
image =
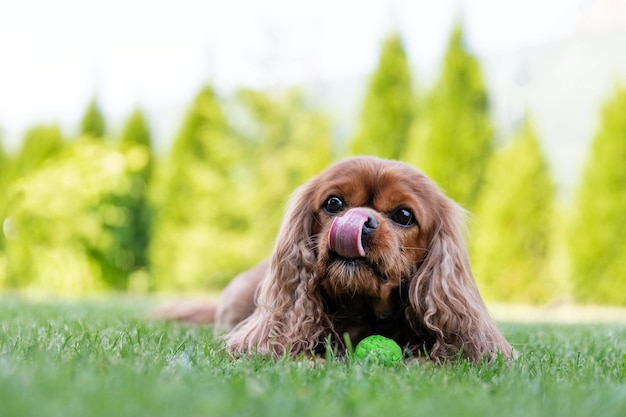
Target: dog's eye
pixel 403 217
pixel 334 205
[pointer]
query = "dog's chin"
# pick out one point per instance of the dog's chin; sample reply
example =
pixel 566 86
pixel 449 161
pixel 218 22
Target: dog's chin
pixel 352 276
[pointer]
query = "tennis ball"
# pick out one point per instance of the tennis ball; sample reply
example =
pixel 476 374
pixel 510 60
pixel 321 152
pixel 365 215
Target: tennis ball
pixel 378 348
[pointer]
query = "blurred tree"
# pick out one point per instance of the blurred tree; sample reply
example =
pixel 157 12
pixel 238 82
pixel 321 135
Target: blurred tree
pixel 136 132
pixel 199 211
pixel 39 144
pixel 6 167
pixel 137 141
pixel 596 237
pixel 4 161
pixel 93 124
pixel 63 221
pixel 511 242
pixel 295 144
pixel 5 164
pixel 226 190
pixel 130 254
pixel 5 170
pixel 388 107
pixel 452 139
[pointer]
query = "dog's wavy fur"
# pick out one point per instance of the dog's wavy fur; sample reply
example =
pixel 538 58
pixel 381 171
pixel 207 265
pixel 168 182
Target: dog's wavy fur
pixel 414 284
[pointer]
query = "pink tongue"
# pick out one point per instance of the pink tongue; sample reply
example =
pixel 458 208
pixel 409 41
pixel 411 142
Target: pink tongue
pixel 345 234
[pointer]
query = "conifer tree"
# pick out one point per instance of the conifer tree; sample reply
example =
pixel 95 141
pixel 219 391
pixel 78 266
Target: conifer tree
pixel 198 205
pixel 294 143
pixel 136 138
pixel 93 123
pixel 511 238
pixel 132 235
pixel 596 237
pixel 5 165
pixel 136 131
pixel 388 106
pixel 4 158
pixel 452 139
pixel 123 212
pixel 227 190
pixel 5 168
pixel 39 144
pixel 202 155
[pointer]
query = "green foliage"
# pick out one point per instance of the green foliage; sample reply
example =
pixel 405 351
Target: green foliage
pixel 92 124
pixel 4 162
pixel 289 135
pixel 203 203
pixel 98 215
pixel 40 144
pixel 511 240
pixel 452 139
pixel 388 107
pixel 225 192
pixel 101 360
pixel 5 165
pixel 5 170
pixel 596 238
pixel 200 213
pixel 136 131
pixel 66 222
pixel 136 138
pixel 134 236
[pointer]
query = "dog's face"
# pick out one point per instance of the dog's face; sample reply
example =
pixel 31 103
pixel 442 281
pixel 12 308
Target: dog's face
pixel 371 229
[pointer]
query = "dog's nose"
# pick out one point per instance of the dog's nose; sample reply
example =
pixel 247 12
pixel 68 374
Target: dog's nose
pixel 370 225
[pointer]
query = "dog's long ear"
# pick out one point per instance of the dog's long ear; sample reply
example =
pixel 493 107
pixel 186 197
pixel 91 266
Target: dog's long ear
pixel 289 317
pixel 445 298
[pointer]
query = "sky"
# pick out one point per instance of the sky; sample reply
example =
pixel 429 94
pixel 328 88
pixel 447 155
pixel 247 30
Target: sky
pixel 55 55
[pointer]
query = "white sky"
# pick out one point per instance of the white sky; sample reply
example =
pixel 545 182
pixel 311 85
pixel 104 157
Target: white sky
pixel 56 54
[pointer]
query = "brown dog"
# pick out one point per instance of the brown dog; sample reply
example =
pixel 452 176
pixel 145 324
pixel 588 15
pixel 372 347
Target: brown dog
pixel 369 246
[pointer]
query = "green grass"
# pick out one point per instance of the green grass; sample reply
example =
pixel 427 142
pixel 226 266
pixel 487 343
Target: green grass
pixel 104 359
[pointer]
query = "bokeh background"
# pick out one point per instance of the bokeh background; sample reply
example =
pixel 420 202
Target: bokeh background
pixel 151 146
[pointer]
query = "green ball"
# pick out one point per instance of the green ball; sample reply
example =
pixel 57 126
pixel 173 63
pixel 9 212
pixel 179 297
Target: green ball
pixel 378 348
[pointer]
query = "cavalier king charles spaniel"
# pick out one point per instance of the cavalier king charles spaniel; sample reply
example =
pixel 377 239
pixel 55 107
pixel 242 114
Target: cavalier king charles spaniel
pixel 369 246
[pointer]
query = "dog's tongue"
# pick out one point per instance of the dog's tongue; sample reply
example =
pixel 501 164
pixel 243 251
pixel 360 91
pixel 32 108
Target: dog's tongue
pixel 345 234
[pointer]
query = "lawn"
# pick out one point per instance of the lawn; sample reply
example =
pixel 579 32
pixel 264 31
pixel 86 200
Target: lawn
pixel 105 359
